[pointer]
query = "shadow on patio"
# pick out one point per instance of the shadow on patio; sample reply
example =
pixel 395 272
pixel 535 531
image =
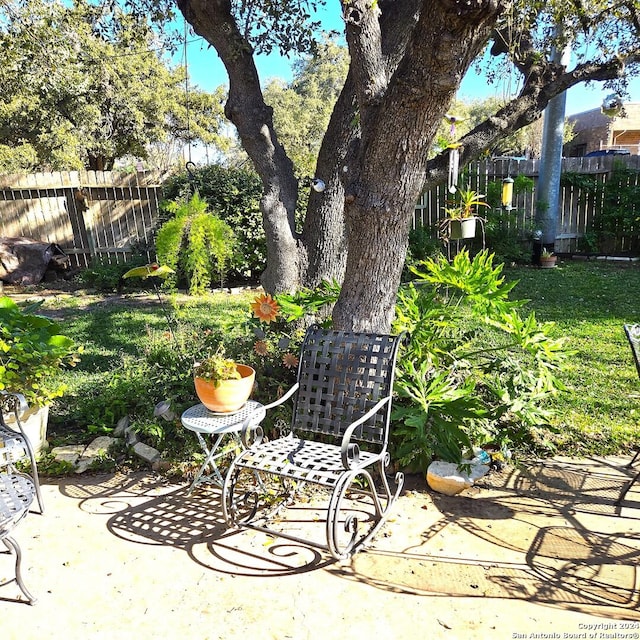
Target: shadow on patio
pixel 559 521
pixel 549 533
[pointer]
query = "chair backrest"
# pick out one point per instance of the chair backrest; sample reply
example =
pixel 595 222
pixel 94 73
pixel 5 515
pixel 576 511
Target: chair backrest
pixel 633 335
pixel 342 375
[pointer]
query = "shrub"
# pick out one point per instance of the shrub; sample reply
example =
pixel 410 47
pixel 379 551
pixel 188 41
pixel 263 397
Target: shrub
pixel 32 352
pixel 234 194
pixel 105 277
pixel 423 244
pixel 474 369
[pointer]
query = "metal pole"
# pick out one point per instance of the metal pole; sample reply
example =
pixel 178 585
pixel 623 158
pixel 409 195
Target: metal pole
pixel 548 188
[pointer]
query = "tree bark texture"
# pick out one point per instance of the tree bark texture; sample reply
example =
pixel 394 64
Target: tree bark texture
pixel 253 118
pixel 387 171
pixel 408 58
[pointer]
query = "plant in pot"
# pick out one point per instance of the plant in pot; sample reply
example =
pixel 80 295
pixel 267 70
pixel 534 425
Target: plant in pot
pixel 548 259
pixel 194 245
pixel 32 352
pixel 222 385
pixel 460 221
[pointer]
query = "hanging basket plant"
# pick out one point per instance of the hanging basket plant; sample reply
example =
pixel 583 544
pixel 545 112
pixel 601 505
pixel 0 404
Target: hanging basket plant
pixel 461 218
pixel 195 244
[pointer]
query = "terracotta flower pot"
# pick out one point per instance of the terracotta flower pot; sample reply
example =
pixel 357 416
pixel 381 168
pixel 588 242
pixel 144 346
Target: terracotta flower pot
pixel 229 395
pixel 548 262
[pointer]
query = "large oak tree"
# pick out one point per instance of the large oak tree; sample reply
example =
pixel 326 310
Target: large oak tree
pixel 408 58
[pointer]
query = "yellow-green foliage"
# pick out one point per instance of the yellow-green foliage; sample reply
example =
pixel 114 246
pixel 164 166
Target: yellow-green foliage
pixel 195 244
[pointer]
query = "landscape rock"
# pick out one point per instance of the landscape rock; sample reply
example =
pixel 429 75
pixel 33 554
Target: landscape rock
pixel 68 453
pixel 82 456
pixel 449 479
pixel 146 453
pixel 130 436
pixel 121 426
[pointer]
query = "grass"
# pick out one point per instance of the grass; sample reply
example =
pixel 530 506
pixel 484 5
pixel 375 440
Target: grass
pixel 117 334
pixel 588 302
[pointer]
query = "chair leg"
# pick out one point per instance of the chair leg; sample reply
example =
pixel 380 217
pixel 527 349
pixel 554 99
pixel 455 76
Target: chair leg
pixel 358 530
pixel 633 460
pixel 12 545
pixel 626 489
pixel 239 506
pixel 36 481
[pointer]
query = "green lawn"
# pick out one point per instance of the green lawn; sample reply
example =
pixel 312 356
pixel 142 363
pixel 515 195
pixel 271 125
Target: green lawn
pixel 588 302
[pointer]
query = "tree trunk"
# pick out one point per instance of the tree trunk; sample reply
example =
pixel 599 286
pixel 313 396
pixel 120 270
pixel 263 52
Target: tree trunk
pixel 406 65
pixel 388 170
pixel 323 233
pixel 246 109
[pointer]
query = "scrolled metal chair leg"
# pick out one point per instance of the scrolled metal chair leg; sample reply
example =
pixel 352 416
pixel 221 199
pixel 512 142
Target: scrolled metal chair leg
pixel 358 530
pixel 239 506
pixel 627 486
pixel 12 545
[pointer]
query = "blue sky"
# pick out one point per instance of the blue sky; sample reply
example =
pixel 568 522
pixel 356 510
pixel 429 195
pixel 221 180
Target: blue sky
pixel 207 72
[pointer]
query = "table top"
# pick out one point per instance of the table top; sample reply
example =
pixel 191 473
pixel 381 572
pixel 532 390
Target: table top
pixel 199 418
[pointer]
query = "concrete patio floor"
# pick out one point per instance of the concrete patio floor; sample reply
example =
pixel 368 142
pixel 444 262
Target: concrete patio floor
pixel 536 552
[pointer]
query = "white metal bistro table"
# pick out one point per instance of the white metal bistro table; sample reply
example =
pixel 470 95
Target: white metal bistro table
pixel 217 425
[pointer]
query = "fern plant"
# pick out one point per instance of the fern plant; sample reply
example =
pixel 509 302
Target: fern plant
pixel 196 244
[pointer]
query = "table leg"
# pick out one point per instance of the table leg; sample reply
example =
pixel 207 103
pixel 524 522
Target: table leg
pixel 211 455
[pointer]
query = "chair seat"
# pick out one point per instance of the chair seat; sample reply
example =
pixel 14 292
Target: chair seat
pixel 17 492
pixel 303 460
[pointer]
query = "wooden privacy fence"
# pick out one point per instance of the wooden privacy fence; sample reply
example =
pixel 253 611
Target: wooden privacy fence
pixel 107 214
pixel 88 214
pixel 577 211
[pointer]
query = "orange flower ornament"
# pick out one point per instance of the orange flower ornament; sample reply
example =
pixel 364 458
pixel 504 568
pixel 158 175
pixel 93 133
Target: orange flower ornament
pixel 265 308
pixel 261 347
pixel 290 361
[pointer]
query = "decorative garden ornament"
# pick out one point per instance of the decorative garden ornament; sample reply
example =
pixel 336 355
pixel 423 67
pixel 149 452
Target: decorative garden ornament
pixel 454 153
pixel 318 185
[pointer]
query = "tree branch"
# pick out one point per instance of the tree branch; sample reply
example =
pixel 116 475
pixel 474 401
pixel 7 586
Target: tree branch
pixel 526 108
pixel 364 39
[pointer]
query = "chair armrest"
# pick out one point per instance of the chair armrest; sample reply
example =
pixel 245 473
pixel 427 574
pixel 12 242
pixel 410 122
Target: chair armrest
pixel 254 420
pixel 16 403
pixel 348 452
pixel 283 398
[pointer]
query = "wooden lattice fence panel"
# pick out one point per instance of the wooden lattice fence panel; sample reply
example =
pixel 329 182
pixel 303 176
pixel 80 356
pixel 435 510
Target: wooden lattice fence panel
pixel 89 214
pixel 577 208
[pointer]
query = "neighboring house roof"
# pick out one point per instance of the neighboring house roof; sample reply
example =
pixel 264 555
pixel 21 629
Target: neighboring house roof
pixel 594 131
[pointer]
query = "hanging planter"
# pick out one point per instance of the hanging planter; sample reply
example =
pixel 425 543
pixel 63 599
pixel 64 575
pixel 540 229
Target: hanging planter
pixel 462 229
pixel 461 220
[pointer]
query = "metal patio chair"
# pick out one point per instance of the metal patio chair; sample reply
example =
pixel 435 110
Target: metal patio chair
pixel 337 441
pixel 632 331
pixel 17 492
pixel 15 444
